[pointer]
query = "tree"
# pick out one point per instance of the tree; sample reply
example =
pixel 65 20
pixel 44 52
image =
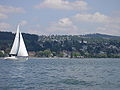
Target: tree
pixel 1 54
pixel 47 53
pixel 75 54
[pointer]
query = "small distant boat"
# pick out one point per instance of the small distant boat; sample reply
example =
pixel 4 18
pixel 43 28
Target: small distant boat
pixel 18 50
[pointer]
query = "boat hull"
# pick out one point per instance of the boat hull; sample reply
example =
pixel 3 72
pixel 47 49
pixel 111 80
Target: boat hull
pixel 16 58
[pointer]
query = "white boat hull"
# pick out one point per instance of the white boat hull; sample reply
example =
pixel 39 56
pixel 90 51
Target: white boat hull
pixel 16 58
pixel 10 58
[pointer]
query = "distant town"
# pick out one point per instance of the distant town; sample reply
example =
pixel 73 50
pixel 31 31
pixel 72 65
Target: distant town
pixel 65 46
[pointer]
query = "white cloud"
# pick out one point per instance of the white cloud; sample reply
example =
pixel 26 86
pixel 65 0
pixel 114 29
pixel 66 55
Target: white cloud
pixel 4 26
pixel 86 23
pixel 65 22
pixel 4 10
pixel 63 4
pixel 94 18
pixel 33 31
pixel 99 23
pixel 112 29
pixel 24 22
pixel 63 26
pixel 10 9
pixel 3 16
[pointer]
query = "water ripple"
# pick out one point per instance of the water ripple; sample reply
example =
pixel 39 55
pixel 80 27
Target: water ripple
pixel 62 74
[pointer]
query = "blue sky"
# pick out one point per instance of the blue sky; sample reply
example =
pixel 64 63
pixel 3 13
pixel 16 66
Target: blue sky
pixel 61 16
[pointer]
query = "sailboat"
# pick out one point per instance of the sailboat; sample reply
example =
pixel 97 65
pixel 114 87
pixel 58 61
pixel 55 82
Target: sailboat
pixel 18 50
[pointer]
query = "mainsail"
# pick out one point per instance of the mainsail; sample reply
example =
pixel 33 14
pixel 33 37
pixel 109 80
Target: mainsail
pixel 18 48
pixel 15 46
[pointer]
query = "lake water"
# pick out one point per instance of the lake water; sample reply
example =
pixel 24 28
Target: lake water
pixel 60 74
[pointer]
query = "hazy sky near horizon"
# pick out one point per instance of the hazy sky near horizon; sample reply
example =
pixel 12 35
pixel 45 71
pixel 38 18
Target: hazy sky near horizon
pixel 61 16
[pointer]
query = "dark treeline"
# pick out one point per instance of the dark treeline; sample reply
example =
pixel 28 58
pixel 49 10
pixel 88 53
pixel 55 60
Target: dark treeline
pixel 76 46
pixel 7 38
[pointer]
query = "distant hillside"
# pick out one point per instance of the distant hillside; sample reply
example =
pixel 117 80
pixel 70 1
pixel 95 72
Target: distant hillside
pixel 10 36
pixel 6 35
pixel 6 40
pixel 90 45
pixel 100 36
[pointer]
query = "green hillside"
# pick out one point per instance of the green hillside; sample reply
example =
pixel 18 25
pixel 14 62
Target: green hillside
pixel 76 46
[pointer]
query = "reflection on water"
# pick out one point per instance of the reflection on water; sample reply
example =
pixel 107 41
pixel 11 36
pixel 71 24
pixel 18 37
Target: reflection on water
pixel 61 74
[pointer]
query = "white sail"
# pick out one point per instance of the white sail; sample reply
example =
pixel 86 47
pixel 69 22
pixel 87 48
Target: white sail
pixel 15 46
pixel 22 49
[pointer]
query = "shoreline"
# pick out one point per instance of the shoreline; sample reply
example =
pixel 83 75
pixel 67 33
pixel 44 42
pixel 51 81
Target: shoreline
pixel 65 58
